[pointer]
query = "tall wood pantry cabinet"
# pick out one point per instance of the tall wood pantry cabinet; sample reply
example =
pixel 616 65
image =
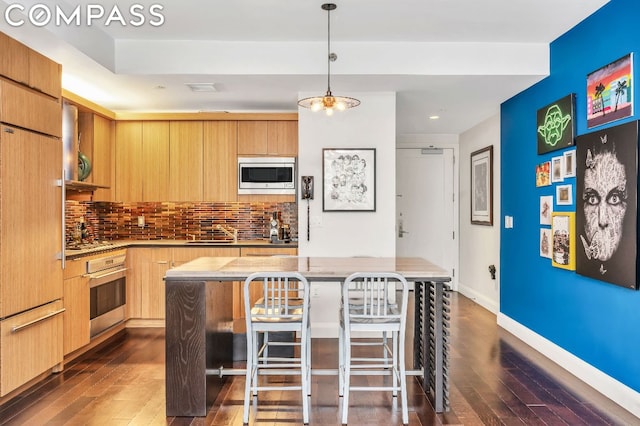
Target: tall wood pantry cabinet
pixel 30 216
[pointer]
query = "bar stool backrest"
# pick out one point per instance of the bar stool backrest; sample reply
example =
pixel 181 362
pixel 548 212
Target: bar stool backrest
pixel 281 297
pixel 371 297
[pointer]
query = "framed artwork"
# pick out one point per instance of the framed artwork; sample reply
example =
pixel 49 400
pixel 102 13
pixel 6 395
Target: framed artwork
pixel 564 195
pixel 546 208
pixel 606 204
pixel 482 186
pixel 545 242
pixel 557 169
pixel 563 249
pixel 609 92
pixel 569 163
pixel 543 174
pixel 556 125
pixel 349 180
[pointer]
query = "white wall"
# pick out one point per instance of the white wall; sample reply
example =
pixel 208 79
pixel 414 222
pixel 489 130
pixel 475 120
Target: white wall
pixel 480 245
pixel 370 125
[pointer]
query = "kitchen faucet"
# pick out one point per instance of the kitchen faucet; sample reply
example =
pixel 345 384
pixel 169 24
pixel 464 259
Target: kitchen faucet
pixel 233 233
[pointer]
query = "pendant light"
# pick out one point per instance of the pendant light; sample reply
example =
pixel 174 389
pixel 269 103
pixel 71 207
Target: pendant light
pixel 329 102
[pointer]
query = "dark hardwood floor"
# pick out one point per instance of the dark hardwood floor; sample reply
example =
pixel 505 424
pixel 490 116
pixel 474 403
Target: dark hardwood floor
pixel 496 379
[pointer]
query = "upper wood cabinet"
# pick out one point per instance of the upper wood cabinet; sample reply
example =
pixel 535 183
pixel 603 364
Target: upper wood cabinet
pixel 142 161
pixel 44 74
pixel 220 161
pixel 103 153
pixel 97 143
pixel 24 65
pixel 271 138
pixel 29 109
pixel 14 60
pixel 155 160
pixel 128 161
pixel 185 161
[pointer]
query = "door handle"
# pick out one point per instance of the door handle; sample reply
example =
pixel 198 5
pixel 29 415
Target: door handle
pixel 401 231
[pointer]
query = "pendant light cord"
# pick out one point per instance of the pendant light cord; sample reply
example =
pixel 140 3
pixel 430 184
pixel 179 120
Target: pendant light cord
pixel 328 50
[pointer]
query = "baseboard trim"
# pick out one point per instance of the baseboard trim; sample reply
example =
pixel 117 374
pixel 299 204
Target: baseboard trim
pixel 492 306
pixel 145 323
pixel 618 392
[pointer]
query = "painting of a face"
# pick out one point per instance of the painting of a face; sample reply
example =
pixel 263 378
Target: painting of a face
pixel 605 204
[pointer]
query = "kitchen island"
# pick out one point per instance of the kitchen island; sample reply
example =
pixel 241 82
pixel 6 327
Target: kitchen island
pixel 200 299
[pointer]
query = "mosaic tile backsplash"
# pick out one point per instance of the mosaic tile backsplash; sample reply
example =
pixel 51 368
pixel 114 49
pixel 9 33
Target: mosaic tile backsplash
pixel 175 221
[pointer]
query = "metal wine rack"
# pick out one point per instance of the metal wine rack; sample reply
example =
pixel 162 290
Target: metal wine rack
pixel 431 348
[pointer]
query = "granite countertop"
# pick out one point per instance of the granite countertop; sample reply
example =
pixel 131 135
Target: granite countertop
pixel 112 245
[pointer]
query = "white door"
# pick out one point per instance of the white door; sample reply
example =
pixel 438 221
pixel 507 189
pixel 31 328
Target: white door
pixel 425 222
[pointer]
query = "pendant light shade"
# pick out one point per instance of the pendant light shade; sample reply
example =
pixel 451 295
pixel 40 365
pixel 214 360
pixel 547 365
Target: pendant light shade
pixel 329 102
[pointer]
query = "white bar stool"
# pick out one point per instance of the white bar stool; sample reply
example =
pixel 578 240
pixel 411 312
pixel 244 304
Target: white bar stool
pixel 283 306
pixel 368 306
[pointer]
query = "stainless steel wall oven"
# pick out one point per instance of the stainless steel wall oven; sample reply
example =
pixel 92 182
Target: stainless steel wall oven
pixel 107 291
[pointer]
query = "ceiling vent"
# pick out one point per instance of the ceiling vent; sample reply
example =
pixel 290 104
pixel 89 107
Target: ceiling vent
pixel 202 87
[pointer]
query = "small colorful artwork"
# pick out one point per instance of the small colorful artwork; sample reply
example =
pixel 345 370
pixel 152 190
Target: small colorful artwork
pixel 545 242
pixel 556 125
pixel 610 92
pixel 546 208
pixel 543 174
pixel 563 240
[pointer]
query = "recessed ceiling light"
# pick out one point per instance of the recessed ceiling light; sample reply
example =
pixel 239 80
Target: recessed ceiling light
pixel 202 87
pixel 434 117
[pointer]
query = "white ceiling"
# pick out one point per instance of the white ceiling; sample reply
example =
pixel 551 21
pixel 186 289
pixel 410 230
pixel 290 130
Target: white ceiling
pixel 458 59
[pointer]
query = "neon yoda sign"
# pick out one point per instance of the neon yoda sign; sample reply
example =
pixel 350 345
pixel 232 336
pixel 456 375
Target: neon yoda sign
pixel 556 124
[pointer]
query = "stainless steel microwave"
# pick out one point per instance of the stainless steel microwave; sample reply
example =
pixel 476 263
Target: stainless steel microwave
pixel 266 175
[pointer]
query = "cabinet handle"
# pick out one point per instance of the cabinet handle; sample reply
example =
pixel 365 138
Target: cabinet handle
pixel 63 189
pixel 16 328
pixel 162 262
pixel 9 130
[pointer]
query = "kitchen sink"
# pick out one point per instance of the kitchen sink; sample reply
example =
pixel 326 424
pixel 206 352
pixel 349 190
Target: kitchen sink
pixel 209 242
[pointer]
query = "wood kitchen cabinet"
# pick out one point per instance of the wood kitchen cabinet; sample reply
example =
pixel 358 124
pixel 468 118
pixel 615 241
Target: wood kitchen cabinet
pixel 96 142
pixel 31 345
pixel 28 109
pixel 155 164
pixel 220 170
pixel 270 138
pixel 185 161
pixel 142 161
pixel 44 74
pixel 145 287
pixel 76 318
pixel 14 60
pixel 31 288
pixel 30 223
pixel 147 268
pixel 26 66
pixel 128 161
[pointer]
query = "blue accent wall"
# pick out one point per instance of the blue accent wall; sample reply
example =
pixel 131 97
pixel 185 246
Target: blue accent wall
pixel 594 320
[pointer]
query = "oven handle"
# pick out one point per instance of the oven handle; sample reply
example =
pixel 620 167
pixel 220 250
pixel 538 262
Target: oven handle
pixel 96 280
